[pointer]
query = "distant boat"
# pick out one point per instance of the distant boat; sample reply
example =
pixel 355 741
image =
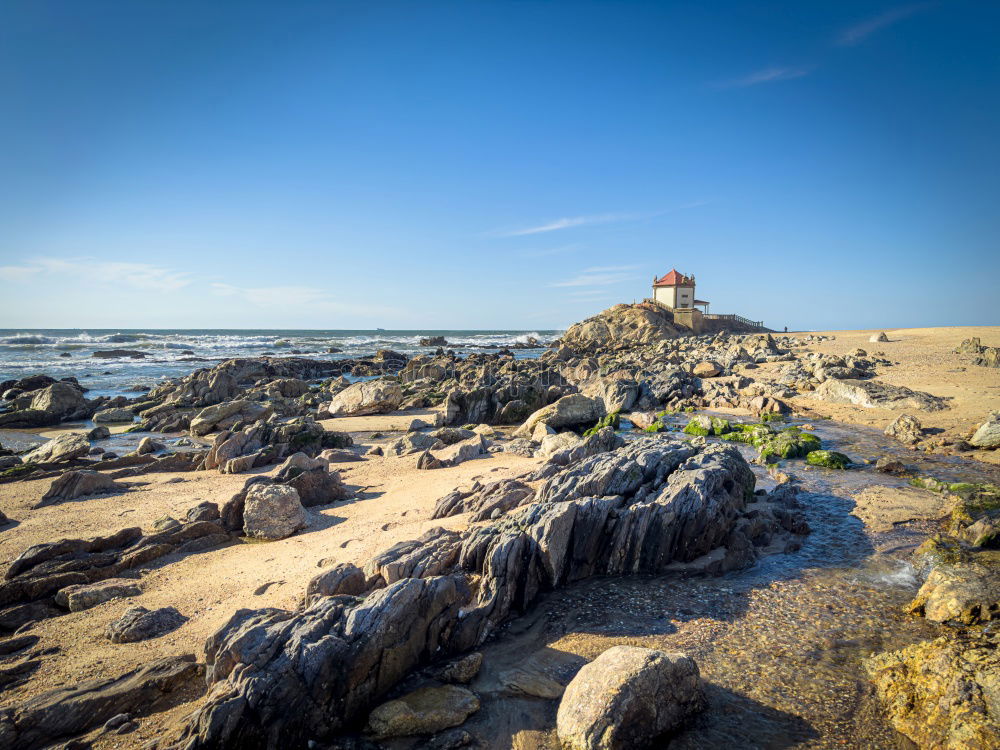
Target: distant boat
pixel 379 329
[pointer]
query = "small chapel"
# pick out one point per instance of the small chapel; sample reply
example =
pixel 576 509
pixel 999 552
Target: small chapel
pixel 676 292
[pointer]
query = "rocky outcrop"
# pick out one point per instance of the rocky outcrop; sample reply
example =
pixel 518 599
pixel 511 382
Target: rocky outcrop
pixel 113 415
pixel 485 502
pixel 621 327
pixel 64 400
pixel 226 415
pixel 943 693
pixel 69 711
pixel 573 410
pixel 627 697
pixel 653 507
pixel 874 394
pixel 367 397
pixel 36 576
pixel 455 454
pixel 263 443
pixel 74 484
pixel 312 479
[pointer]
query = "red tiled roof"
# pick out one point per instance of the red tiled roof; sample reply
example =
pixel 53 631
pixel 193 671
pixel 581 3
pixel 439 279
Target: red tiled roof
pixel 674 279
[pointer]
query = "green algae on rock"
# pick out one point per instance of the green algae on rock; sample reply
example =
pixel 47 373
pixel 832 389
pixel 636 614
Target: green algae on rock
pixel 828 459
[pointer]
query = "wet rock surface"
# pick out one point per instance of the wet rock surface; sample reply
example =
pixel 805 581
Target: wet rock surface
pixel 627 697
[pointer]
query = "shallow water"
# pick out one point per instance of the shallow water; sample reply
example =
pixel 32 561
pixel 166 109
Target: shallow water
pixel 174 353
pixel 779 645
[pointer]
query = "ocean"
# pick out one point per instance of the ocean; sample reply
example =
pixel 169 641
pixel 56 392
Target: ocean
pixel 173 353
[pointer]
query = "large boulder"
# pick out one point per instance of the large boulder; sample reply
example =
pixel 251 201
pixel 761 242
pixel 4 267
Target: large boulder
pixel 987 435
pixel 621 327
pixel 63 447
pixel 272 511
pixel 73 484
pixel 943 693
pixel 573 410
pixel 626 698
pixel 424 711
pixel 367 397
pixel 61 399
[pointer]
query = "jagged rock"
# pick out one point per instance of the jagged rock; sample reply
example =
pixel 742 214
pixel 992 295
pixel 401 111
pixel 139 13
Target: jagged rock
pixel 74 484
pixel 605 439
pixel 140 624
pixel 875 394
pixel 617 394
pixel 25 418
pixel 627 697
pixel 987 435
pixel 70 711
pixel 906 429
pixel 61 399
pixel 461 670
pixel 569 411
pixel 424 711
pixel 484 501
pixel 266 442
pixel 345 578
pixel 226 415
pixel 942 693
pixel 273 512
pixel 367 397
pixel 433 553
pixel 112 415
pixel 558 443
pixel 989 356
pixel 878 338
pixel 63 447
pixel 967 594
pixel 86 595
pixel 648 507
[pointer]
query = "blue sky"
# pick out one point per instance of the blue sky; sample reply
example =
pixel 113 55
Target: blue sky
pixel 496 164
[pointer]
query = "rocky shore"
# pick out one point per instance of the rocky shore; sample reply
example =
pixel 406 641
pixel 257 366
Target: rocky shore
pixel 400 516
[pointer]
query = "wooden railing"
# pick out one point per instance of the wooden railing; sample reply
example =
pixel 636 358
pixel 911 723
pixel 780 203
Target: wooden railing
pixel 712 316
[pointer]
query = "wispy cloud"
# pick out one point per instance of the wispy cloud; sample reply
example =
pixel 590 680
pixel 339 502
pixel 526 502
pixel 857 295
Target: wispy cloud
pixel 136 275
pixel 315 299
pixel 599 276
pixel 767 75
pixel 859 32
pixel 578 221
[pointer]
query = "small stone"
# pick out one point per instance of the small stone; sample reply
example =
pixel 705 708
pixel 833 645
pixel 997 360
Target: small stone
pixel 461 670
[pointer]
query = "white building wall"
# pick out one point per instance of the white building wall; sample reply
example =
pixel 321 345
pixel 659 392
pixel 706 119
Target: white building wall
pixel 674 296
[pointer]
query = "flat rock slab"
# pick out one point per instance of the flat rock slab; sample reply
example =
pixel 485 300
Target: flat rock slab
pixel 882 507
pixel 140 624
pixel 86 595
pixel 424 711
